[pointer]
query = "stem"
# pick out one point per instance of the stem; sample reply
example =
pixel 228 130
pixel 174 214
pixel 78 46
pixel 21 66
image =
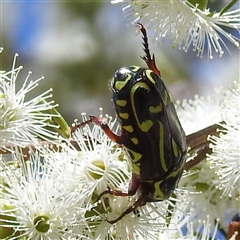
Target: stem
pixel 197 141
pixel 32 148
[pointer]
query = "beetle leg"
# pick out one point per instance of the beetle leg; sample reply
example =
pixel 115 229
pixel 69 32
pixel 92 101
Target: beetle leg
pixel 73 129
pixel 133 187
pixel 200 138
pixel 199 142
pixel 150 61
pixel 114 137
pixel 115 193
pixel 201 154
pixel 140 202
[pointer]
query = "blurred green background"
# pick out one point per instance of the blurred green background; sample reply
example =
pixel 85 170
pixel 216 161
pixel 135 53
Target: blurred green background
pixel 78 45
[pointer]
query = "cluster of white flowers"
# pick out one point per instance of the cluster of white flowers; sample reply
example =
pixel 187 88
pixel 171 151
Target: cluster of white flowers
pixel 23 122
pixel 188 23
pixel 226 148
pixel 52 177
pixel 217 178
pixel 52 192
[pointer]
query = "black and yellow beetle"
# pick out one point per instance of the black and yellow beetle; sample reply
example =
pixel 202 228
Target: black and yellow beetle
pixel 150 132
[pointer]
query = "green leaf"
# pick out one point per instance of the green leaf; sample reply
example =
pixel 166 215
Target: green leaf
pixel 201 4
pixel 227 7
pixel 64 130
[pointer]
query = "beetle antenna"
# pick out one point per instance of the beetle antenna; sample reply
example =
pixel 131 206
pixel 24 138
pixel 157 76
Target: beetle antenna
pixel 150 61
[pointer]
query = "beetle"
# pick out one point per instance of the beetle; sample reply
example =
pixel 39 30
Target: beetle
pixel 151 132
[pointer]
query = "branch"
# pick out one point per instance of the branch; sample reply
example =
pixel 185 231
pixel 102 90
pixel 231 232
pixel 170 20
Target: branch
pixel 34 147
pixel 197 141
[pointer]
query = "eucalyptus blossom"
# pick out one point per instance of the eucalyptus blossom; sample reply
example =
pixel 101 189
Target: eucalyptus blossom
pixel 215 179
pixel 61 182
pixel 187 23
pixel 225 159
pixel 23 121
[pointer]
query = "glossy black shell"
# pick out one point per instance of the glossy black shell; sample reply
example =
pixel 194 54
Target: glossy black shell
pixel 151 131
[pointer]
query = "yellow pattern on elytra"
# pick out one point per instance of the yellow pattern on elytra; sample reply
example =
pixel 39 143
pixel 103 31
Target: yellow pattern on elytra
pixel 155 109
pixel 175 148
pixel 158 194
pixel 170 97
pixel 134 155
pixel 121 103
pixel 175 173
pixel 148 74
pixel 157 191
pixel 128 128
pixel 135 68
pixel 165 99
pixel 136 169
pixel 124 115
pixel 119 85
pixel 161 147
pixel 146 125
pixel 134 140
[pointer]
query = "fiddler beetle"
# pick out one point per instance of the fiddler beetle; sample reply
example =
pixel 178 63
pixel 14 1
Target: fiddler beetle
pixel 151 132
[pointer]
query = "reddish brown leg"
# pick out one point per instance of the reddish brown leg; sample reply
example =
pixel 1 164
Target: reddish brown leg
pixel 114 137
pixel 133 187
pixel 140 202
pixel 73 129
pixel 150 61
pixel 200 139
pixel 201 154
pixel 198 142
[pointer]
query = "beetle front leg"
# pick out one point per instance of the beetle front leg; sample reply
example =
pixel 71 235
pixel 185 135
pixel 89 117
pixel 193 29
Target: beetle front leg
pixel 114 137
pixel 80 125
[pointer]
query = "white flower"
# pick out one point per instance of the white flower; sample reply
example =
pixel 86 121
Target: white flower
pixel 201 112
pixel 158 220
pixel 203 228
pixel 105 165
pixel 22 121
pixel 53 195
pixel 209 199
pixel 220 174
pixel 186 24
pixel 38 201
pixel 226 148
pixel 101 160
